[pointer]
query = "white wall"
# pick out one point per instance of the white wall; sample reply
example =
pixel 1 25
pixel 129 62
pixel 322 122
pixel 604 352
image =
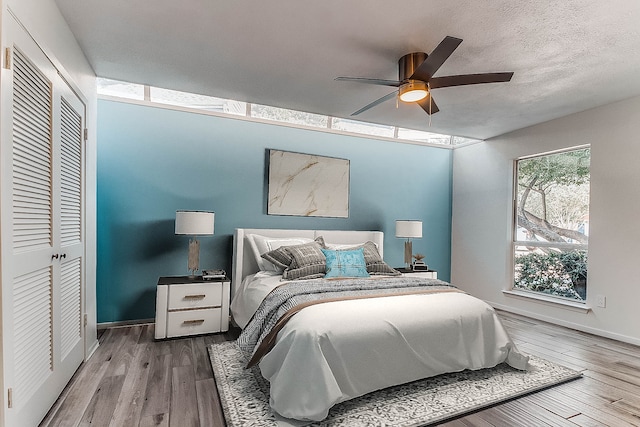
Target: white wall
pixel 45 24
pixel 482 216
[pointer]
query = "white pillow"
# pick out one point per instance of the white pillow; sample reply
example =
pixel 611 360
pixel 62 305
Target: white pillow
pixel 342 246
pixel 262 244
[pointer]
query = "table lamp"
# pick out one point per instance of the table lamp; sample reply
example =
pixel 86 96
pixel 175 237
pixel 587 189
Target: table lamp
pixel 409 229
pixel 194 223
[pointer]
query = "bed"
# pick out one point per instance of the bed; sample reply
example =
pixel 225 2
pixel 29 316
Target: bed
pixel 320 341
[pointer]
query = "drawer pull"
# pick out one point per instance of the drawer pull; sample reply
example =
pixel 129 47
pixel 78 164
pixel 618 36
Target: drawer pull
pixel 199 296
pixel 193 322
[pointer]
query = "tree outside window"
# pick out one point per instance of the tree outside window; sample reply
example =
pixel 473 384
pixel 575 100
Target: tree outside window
pixel 552 224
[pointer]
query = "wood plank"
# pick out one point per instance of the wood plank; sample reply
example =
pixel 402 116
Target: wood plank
pixel 605 390
pixel 527 410
pixel 631 379
pixel 600 370
pixel 159 420
pixel 106 336
pixel 592 407
pixel 122 358
pixel 584 421
pixel 201 363
pixel 544 401
pixel 615 382
pixel 630 405
pixel 502 415
pixel 72 404
pixel 551 356
pixel 128 409
pixel 181 352
pixel 162 347
pixel 109 343
pixel 147 334
pixel 540 339
pixel 209 408
pixel 184 403
pixel 103 402
pixel 561 335
pixel 158 391
pixel 621 363
pixel 468 421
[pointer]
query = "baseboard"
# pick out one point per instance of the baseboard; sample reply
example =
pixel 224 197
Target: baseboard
pixel 570 325
pixel 107 325
pixel 92 350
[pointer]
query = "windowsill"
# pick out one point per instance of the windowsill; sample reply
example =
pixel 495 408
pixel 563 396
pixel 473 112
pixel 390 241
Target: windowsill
pixel 570 305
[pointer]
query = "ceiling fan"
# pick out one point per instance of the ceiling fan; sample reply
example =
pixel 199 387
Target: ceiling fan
pixel 415 77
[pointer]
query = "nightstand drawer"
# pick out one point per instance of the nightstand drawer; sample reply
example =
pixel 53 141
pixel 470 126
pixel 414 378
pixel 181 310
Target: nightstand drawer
pixel 193 322
pixel 424 274
pixel 195 295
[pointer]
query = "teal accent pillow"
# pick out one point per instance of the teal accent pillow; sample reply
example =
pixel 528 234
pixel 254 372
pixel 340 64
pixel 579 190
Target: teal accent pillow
pixel 348 263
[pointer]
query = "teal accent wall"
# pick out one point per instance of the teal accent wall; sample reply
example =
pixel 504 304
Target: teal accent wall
pixel 153 161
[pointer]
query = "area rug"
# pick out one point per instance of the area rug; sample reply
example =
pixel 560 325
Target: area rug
pixel 244 394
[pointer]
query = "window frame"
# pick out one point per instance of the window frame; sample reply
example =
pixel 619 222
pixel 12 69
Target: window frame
pixel 514 232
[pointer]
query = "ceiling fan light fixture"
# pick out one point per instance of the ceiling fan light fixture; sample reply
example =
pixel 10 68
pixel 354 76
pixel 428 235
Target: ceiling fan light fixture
pixel 413 91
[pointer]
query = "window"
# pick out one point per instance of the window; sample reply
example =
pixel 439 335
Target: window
pixel 120 89
pixel 289 116
pixel 200 102
pixel 457 140
pixel 551 233
pixel 218 106
pixel 362 127
pixel 417 135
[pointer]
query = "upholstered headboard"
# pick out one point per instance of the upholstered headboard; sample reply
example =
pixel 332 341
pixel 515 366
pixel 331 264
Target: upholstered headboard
pixel 244 262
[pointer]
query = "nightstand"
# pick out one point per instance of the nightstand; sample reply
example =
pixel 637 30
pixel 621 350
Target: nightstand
pixel 427 274
pixel 191 306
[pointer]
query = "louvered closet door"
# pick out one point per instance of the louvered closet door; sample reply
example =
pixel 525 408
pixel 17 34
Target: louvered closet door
pixel 42 264
pixel 69 236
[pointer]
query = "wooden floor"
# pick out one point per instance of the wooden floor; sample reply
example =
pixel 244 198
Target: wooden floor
pixel 133 380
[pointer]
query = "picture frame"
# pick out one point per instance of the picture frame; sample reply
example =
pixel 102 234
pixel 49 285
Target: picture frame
pixel 307 185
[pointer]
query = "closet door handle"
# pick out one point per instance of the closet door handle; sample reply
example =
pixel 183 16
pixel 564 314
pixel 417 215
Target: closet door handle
pixel 63 256
pixel 55 256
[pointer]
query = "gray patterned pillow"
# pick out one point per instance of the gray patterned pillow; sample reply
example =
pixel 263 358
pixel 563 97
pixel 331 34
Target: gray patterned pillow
pixel 281 257
pixel 278 257
pixel 308 262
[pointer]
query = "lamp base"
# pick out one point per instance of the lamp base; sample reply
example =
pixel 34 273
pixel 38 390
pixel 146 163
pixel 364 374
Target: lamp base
pixel 408 253
pixel 194 257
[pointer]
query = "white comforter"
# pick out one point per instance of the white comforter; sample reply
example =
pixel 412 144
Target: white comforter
pixel 252 291
pixel 332 352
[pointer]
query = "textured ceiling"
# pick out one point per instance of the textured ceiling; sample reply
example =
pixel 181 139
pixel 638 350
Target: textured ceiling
pixel 567 56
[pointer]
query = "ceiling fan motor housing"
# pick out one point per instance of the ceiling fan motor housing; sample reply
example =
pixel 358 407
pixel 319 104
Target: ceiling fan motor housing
pixel 407 64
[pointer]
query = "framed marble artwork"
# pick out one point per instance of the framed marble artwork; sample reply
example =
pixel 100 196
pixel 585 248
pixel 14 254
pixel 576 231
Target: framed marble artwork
pixel 307 185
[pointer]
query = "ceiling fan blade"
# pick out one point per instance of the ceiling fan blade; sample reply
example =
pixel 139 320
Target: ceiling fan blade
pixel 424 103
pixel 469 79
pixel 376 102
pixel 380 82
pixel 434 61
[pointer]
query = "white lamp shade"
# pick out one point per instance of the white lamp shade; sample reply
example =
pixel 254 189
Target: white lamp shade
pixel 409 229
pixel 194 223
